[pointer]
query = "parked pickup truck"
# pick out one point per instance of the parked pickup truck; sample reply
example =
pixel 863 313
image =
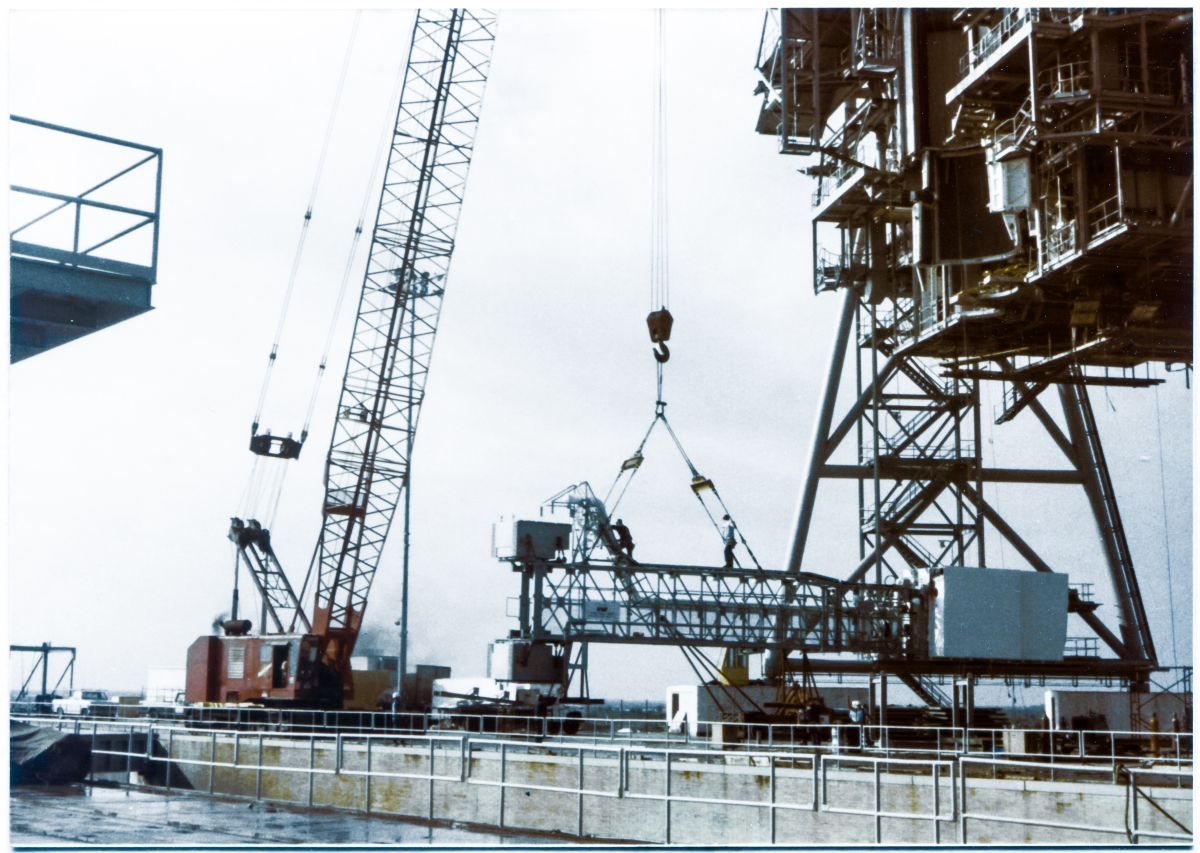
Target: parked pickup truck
pixel 158 710
pixel 81 703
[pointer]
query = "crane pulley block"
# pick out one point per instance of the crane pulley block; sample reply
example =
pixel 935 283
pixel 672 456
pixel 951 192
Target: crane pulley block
pixel 277 447
pixel 660 322
pixel 660 325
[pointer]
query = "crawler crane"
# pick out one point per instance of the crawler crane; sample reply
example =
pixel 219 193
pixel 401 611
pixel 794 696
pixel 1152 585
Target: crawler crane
pixel 303 660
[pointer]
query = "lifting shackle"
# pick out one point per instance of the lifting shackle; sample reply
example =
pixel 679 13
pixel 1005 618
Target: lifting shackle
pixel 660 332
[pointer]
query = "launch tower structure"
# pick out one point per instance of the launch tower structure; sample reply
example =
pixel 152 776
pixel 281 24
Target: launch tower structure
pixel 1001 195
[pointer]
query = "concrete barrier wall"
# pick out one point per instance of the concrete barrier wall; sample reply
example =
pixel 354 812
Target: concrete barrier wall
pixel 466 795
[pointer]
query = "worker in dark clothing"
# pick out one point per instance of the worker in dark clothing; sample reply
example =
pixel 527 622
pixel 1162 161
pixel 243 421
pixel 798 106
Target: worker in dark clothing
pixel 624 539
pixel 728 529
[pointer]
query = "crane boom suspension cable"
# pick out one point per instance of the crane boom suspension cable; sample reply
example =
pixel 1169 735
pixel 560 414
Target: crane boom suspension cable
pixel 383 141
pixel 368 196
pixel 287 296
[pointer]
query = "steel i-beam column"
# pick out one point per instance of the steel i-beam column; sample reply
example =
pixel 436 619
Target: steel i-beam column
pixel 1081 427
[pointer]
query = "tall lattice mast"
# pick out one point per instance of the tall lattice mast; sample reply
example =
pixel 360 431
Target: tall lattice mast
pixel 368 465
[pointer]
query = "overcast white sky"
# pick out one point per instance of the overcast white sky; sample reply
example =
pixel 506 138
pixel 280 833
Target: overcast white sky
pixel 128 448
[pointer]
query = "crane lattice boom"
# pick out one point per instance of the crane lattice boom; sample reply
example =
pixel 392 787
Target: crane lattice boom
pixel 368 464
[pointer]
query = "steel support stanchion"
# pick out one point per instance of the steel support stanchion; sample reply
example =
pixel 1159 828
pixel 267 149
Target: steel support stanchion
pixel 258 769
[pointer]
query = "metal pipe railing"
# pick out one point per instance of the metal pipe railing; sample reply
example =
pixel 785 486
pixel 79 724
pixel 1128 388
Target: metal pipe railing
pixel 1098 746
pixel 637 764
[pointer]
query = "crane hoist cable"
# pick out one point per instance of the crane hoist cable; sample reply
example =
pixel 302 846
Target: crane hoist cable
pixel 286 448
pixel 660 321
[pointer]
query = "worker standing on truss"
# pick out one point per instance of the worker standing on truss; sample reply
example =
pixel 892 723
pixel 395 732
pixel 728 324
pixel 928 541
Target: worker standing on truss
pixel 624 539
pixel 729 531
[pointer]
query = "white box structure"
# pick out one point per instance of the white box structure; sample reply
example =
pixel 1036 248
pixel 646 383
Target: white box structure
pixel 537 540
pixel 999 613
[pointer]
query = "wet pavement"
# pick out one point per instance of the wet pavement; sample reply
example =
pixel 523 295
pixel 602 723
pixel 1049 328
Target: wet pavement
pixel 81 814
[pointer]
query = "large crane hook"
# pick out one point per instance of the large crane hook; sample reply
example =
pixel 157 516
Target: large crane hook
pixel 660 332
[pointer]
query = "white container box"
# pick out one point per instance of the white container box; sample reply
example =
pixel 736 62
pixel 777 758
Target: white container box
pixel 999 614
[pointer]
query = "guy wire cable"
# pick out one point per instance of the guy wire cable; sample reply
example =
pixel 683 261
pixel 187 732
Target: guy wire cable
pixel 1162 479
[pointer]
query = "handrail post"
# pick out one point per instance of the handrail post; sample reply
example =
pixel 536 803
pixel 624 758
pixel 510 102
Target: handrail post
pixel 432 745
pixel 579 802
pixel 934 769
pixel 1133 796
pixel 367 809
pixel 170 744
pixel 503 757
pixel 258 769
pixel 667 798
pixel 312 757
pixel 962 802
pixel 771 785
pixel 878 805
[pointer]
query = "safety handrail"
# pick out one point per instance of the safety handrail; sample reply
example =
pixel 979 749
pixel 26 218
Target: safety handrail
pixel 134 218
